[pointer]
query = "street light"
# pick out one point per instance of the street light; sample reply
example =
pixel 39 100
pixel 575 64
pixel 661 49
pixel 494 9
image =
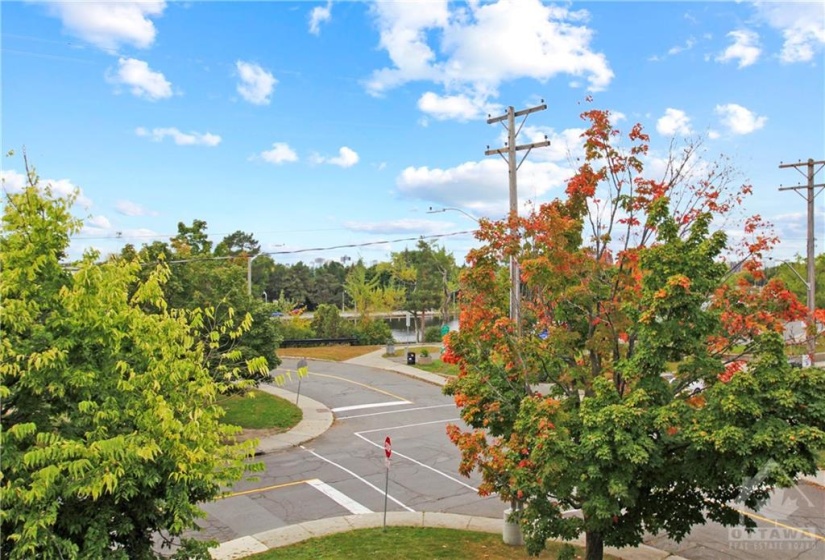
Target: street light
pixel 439 210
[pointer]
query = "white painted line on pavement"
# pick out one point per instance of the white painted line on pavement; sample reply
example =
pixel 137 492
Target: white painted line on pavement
pixel 368 483
pixel 419 463
pixel 341 498
pixel 398 411
pixel 409 426
pixel 371 405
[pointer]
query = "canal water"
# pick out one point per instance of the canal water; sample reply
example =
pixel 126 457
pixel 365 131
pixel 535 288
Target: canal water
pixel 402 333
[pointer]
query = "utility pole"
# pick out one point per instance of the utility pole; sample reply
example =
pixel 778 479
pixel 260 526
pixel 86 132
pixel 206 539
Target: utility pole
pixel 508 152
pixel 812 170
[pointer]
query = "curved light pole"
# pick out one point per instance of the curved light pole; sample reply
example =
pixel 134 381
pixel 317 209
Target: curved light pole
pixel 439 210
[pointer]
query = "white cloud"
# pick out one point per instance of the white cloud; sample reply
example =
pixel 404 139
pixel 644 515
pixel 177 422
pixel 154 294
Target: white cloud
pixel 565 146
pixel 108 25
pixel 101 222
pixel 480 46
pixel 802 25
pixel 180 138
pixel 480 186
pixel 458 107
pixel 318 15
pixel 346 157
pixel 738 119
pixel 745 48
pixel 129 208
pixel 403 226
pixel 674 121
pixel 14 182
pixel 256 84
pixel 713 134
pixel 280 153
pixel 689 44
pixel 142 80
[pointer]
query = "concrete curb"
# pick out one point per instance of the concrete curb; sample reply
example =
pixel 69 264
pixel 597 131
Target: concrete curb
pixel 292 534
pixel 376 360
pixel 317 418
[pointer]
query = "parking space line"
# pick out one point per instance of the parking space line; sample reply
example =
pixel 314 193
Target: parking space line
pixel 397 411
pixel 264 489
pixel 370 387
pixel 349 472
pixel 371 405
pixel 419 463
pixel 409 426
pixel 341 498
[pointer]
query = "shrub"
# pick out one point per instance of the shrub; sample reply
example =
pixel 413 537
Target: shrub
pixel 373 331
pixel 294 328
pixel 432 334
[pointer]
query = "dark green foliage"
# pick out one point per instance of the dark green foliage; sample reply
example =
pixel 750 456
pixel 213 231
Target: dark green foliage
pixel 373 331
pixel 432 334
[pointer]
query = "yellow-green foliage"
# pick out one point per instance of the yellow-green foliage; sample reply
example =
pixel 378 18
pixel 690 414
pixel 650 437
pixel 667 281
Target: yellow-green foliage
pixel 110 427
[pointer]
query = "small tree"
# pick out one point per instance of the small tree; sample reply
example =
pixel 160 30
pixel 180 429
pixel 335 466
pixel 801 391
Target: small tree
pixel 110 431
pixel 622 279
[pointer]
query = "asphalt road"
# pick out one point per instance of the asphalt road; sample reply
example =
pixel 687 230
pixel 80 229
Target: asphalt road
pixel 344 472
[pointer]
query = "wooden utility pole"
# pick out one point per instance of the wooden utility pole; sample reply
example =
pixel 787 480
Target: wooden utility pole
pixel 812 170
pixel 508 152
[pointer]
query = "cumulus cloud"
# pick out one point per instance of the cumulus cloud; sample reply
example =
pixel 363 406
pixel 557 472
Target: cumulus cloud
pixel 14 182
pixel 457 107
pixel 480 186
pixel 180 138
pixel 738 119
pixel 481 45
pixel 141 80
pixel 129 208
pixel 256 84
pixel 280 153
pixel 674 121
pixel 109 25
pixel 802 25
pixel 319 15
pixel 745 48
pixel 347 157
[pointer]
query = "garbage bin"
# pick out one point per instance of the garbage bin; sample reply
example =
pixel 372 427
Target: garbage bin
pixel 410 358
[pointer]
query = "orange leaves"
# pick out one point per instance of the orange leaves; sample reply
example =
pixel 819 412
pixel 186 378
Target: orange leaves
pixel 731 369
pixel 696 401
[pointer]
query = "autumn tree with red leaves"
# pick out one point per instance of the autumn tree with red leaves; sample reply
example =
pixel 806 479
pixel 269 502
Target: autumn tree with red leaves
pixel 625 279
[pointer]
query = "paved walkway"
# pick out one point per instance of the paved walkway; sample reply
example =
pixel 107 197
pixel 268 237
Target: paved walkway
pixel 317 418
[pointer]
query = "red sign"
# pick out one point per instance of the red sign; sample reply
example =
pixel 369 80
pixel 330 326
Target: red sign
pixel 387 447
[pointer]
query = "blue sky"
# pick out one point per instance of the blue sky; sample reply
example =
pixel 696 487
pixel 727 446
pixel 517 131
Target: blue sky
pixel 318 124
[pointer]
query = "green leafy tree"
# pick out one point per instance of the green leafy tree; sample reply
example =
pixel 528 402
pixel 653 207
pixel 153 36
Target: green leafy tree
pixel 624 278
pixel 110 431
pixel 328 323
pixel 427 275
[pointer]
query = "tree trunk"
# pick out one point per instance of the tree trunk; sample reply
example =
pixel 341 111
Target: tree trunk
pixel 594 549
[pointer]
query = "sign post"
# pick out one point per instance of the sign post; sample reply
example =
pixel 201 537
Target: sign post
pixel 388 454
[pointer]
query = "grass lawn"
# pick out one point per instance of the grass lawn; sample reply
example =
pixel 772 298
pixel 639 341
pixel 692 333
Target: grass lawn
pixel 333 353
pixel 437 366
pixel 407 543
pixel 258 410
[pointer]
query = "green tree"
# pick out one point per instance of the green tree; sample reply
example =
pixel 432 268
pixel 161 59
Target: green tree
pixel 328 323
pixel 110 431
pixel 623 278
pixel 427 275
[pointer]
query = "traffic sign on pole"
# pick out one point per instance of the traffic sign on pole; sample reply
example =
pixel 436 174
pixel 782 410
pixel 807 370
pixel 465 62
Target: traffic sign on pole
pixel 387 453
pixel 388 447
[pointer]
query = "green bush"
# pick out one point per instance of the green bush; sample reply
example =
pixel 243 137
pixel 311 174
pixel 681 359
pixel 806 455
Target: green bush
pixel 373 331
pixel 432 334
pixel 328 323
pixel 294 328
